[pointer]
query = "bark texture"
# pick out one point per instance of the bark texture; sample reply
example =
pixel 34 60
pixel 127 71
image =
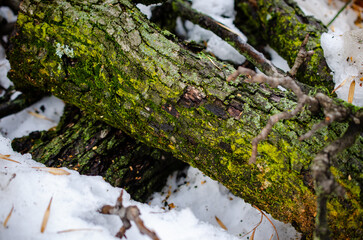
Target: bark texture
pixel 282 25
pixel 92 147
pixel 106 58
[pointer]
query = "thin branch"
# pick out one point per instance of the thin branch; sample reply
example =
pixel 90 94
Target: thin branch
pixel 325 183
pixel 301 55
pixel 286 82
pixel 185 11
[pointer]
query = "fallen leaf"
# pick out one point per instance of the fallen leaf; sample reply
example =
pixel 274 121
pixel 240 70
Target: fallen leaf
pixel 54 171
pixel 46 216
pixel 171 205
pixel 221 223
pixel 351 92
pixel 8 217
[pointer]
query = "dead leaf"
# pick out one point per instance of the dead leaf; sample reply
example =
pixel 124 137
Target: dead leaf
pixel 46 216
pixel 203 182
pixel 6 157
pixel 54 171
pixel 221 223
pixel 351 92
pixel 171 205
pixel 8 217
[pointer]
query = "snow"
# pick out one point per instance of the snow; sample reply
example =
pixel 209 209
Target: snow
pixel 223 12
pixel 325 12
pixel 76 200
pixel 42 115
pixel 342 45
pixel 189 211
pixel 344 53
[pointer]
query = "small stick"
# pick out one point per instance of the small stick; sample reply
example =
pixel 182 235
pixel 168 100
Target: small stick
pixel 128 214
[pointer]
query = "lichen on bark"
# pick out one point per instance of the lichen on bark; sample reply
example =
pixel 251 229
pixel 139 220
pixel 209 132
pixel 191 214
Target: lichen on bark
pixel 120 68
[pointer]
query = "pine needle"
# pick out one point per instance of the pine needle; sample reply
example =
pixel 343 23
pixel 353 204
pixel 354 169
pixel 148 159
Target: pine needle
pixel 351 92
pixel 8 217
pixel 214 63
pixel 277 234
pixel 227 28
pixel 341 84
pixel 339 12
pixel 253 234
pixel 6 157
pixel 54 171
pixel 221 223
pixel 79 229
pixel 46 216
pixel 258 224
pixel 37 115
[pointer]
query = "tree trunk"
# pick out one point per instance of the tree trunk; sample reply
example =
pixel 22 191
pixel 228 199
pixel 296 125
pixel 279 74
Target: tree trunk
pixel 106 58
pixel 92 147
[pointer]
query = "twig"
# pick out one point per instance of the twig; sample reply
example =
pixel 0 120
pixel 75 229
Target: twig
pixel 301 55
pixel 325 183
pixel 286 82
pixel 128 214
pixel 185 11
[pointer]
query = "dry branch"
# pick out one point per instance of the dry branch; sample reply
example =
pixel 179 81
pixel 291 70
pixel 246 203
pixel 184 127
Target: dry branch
pixel 128 214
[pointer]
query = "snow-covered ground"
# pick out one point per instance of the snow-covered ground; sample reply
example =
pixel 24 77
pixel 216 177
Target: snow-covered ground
pixel 342 45
pixel 191 205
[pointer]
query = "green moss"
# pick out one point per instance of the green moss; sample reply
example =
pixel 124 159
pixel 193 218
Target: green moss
pixel 141 88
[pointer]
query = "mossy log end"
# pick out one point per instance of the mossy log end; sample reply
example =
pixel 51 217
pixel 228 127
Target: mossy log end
pixel 282 25
pixel 106 58
pixel 92 147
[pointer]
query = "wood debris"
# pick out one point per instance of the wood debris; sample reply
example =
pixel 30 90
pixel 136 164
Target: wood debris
pixel 128 214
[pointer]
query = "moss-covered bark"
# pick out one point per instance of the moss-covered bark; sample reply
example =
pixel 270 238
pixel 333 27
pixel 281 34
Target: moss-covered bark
pixel 92 147
pixel 282 25
pixel 107 59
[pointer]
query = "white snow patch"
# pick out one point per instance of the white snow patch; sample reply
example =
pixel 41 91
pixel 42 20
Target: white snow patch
pixel 208 199
pixel 223 12
pixel 325 12
pixel 344 55
pixel 76 200
pixel 50 109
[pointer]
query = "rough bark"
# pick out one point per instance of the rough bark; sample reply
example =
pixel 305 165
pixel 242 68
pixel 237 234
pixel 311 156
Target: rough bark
pixel 92 147
pixel 108 60
pixel 282 25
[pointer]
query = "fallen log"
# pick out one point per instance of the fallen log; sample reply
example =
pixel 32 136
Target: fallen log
pixel 107 59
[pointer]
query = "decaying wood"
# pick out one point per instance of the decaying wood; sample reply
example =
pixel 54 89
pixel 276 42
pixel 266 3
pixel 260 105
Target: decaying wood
pixel 110 61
